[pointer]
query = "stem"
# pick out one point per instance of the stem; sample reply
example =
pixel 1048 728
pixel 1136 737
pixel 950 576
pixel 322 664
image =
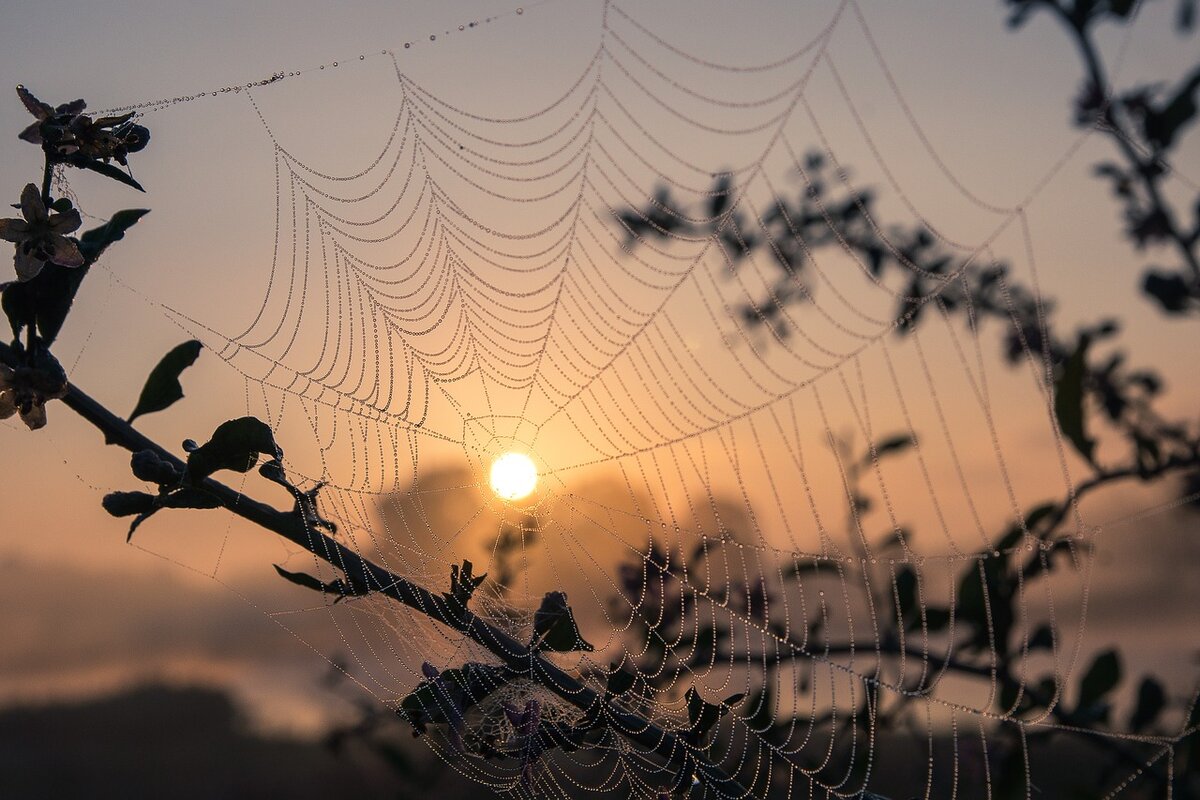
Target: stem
pixel 47 177
pixel 365 576
pixel 947 662
pixel 1121 137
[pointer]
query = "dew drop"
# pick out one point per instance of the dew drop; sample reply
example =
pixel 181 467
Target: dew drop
pixel 433 37
pixel 335 63
pixel 362 58
pixel 407 45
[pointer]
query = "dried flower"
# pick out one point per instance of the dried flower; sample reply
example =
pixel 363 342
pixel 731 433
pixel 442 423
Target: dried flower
pixel 71 137
pixel 25 390
pixel 45 115
pixel 41 236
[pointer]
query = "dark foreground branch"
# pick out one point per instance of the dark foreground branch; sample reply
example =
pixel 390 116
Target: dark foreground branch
pixel 365 576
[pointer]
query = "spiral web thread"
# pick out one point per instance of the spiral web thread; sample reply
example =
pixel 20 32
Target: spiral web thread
pixel 473 288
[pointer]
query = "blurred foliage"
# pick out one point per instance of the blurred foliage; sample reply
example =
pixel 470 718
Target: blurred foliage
pixel 676 623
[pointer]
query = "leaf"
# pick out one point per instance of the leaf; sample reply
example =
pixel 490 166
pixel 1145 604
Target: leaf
pixel 1171 291
pixel 937 619
pixel 811 565
pixel 554 626
pixel 894 444
pixel 43 301
pixel 162 387
pixel 463 584
pixel 445 696
pixel 109 171
pixel 620 680
pixel 1101 678
pixel 1151 700
pixel 19 306
pixel 1162 125
pixel 703 716
pixel 1069 400
pixel 1185 19
pixel 234 445
pixel 761 707
pixel 1042 639
pixel 46 300
pixel 1121 8
pixel 95 241
pixel 720 195
pixel 340 589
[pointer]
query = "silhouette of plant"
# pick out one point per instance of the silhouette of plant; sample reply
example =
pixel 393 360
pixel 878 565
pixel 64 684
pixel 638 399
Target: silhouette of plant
pixel 676 623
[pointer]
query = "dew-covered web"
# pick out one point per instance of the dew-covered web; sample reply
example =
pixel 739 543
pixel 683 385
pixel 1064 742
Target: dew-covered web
pixel 775 445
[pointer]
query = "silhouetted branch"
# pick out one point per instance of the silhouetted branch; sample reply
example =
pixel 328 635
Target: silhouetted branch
pixel 1145 170
pixel 365 576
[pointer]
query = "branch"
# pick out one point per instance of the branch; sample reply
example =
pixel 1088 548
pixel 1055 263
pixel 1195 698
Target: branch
pixel 1109 123
pixel 366 576
pixel 949 662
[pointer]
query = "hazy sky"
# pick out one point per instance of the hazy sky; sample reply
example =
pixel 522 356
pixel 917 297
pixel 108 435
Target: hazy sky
pixel 993 104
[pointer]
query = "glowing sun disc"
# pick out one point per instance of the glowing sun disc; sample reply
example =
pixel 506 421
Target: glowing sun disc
pixel 514 476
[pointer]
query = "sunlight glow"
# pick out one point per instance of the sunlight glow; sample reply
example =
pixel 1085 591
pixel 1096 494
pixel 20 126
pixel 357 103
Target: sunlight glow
pixel 513 476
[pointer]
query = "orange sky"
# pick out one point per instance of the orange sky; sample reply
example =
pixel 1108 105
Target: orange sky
pixel 993 105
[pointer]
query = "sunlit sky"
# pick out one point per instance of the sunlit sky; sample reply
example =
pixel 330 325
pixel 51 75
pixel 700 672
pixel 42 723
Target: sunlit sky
pixel 994 104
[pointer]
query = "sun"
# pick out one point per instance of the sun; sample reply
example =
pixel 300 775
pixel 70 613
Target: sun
pixel 514 476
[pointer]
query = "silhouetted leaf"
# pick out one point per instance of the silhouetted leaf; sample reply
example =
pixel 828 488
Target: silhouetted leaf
pixel 463 584
pixel 234 445
pixel 894 444
pixel 444 697
pixel 1162 125
pixel 809 566
pixel 554 626
pixel 95 241
pixel 620 680
pixel 340 589
pixel 110 171
pixel 1102 677
pixel 1185 19
pixel 761 710
pixel 1121 8
pixel 1069 400
pixel 1042 639
pixel 1151 700
pixel 721 195
pixel 906 592
pixel 1170 289
pixel 703 716
pixel 937 619
pixel 162 386
pixel 45 300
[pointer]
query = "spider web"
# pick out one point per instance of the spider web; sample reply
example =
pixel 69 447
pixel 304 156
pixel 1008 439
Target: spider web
pixel 763 485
